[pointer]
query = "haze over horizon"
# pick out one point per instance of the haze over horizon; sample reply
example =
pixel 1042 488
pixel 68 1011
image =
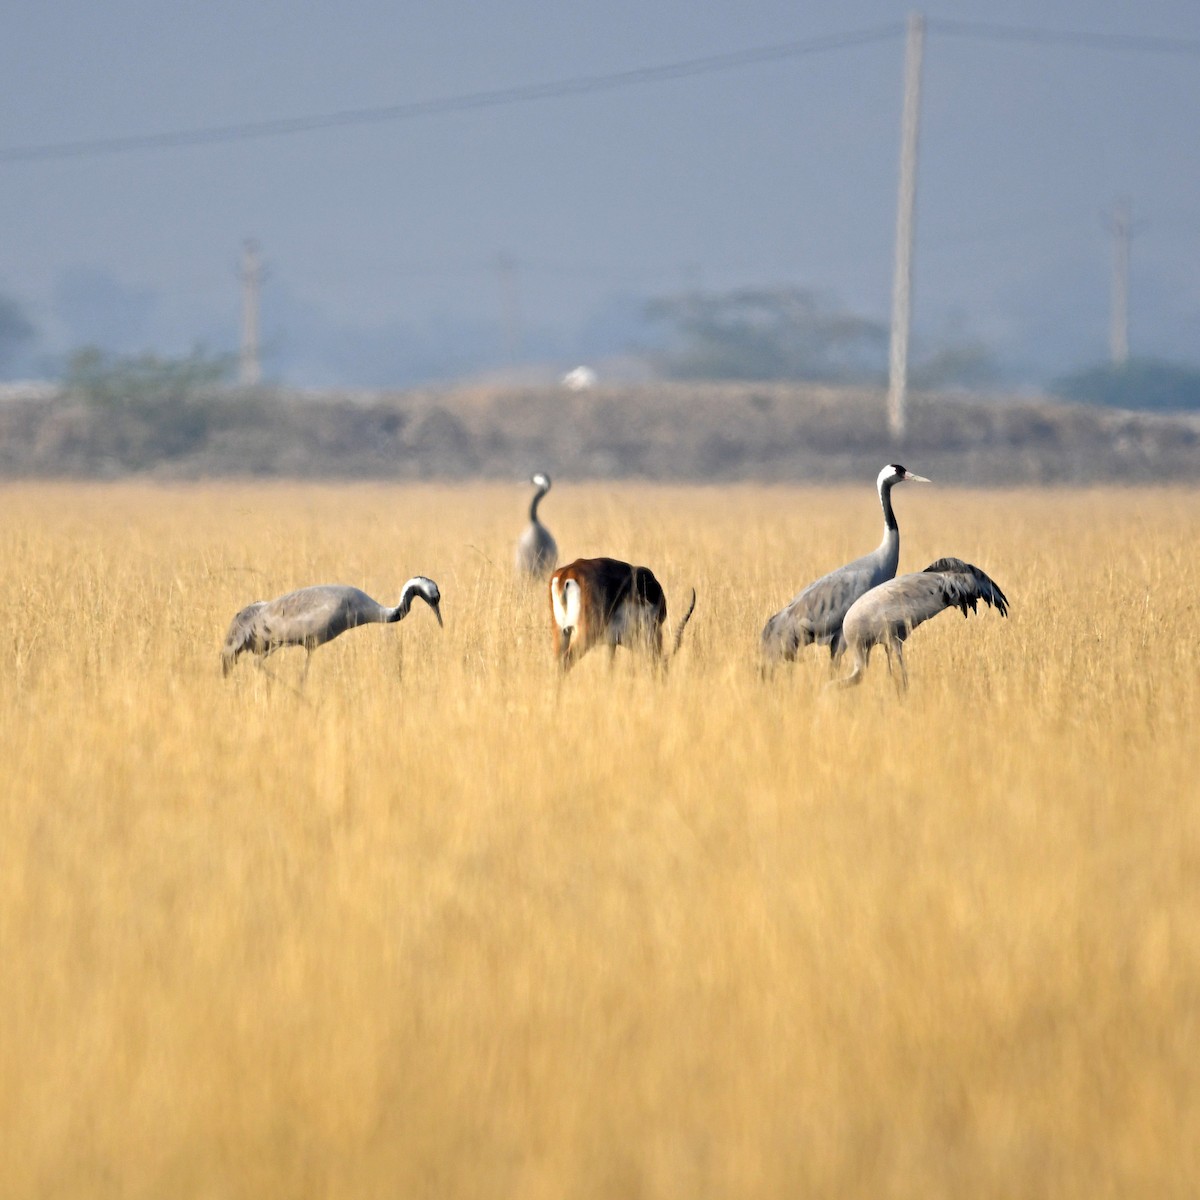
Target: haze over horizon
pixel 422 245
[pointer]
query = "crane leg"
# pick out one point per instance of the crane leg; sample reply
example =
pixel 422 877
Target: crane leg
pixel 855 677
pixel 260 663
pixel 837 647
pixel 896 649
pixel 260 660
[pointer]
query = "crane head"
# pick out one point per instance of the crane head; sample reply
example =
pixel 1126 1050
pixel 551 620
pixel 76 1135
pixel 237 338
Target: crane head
pixel 421 585
pixel 895 473
pixel 540 480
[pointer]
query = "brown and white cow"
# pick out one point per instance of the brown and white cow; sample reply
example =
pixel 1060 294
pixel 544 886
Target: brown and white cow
pixel 603 601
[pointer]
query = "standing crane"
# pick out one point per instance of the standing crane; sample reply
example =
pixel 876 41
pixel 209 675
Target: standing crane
pixel 887 614
pixel 537 551
pixel 817 613
pixel 313 616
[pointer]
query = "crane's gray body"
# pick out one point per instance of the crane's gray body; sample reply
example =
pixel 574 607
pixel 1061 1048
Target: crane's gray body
pixel 537 551
pixel 887 614
pixel 312 616
pixel 817 613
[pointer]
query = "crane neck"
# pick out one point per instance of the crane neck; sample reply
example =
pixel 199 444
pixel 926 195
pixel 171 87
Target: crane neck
pixel 889 548
pixel 401 610
pixel 889 514
pixel 533 505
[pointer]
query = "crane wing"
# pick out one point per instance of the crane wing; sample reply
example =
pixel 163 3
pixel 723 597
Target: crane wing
pixel 964 585
pixel 820 608
pixel 904 603
pixel 316 613
pixel 241 634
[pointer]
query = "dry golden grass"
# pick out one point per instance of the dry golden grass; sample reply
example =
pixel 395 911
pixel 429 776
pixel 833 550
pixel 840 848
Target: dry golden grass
pixel 434 926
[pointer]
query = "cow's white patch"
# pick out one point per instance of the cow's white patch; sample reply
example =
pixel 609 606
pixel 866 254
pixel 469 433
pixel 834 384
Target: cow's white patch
pixel 565 599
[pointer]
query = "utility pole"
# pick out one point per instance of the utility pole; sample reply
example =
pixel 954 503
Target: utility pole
pixel 906 204
pixel 250 363
pixel 510 315
pixel 1121 228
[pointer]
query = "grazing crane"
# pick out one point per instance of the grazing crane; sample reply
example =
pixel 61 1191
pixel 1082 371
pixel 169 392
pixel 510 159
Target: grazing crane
pixel 313 616
pixel 887 614
pixel 596 601
pixel 816 614
pixel 537 551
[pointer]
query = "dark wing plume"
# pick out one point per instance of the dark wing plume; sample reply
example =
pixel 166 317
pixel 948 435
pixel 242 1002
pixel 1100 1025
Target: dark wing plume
pixel 242 634
pixel 964 585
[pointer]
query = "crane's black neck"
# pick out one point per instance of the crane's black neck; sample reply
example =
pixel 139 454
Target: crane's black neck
pixel 885 498
pixel 533 507
pixel 401 610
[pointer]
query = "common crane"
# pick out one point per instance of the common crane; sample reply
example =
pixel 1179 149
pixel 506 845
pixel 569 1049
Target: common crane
pixel 313 616
pixel 537 551
pixel 603 601
pixel 816 614
pixel 887 614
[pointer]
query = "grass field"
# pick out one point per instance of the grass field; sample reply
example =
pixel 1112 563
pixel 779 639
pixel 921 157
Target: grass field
pixel 434 926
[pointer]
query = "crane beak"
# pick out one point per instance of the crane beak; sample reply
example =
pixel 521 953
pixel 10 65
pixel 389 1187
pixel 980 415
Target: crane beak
pixel 908 475
pixel 437 612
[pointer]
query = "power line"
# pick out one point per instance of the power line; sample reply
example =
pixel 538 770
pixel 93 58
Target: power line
pixel 1029 35
pixel 584 85
pixel 466 102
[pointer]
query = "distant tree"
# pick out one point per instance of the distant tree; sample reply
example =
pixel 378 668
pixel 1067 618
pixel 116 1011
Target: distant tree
pixel 16 330
pixel 143 380
pixel 147 407
pixel 1140 383
pixel 765 333
pixel 962 364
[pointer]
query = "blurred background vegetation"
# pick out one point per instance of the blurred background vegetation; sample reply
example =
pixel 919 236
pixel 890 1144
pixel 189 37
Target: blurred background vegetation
pixel 771 384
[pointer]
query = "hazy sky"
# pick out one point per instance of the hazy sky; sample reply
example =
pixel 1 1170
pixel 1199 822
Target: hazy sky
pixel 383 240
